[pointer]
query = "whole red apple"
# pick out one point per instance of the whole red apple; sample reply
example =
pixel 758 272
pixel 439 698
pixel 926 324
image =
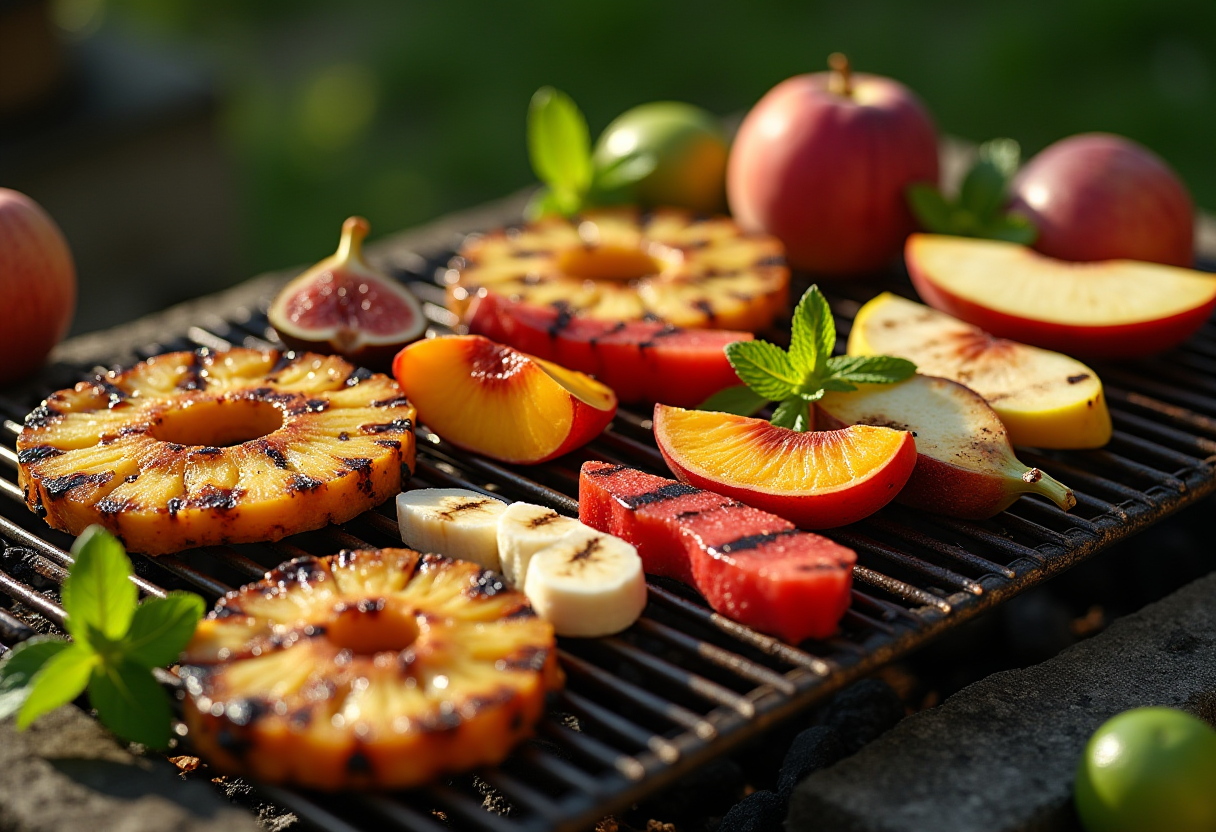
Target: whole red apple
pixel 822 162
pixel 1102 197
pixel 37 285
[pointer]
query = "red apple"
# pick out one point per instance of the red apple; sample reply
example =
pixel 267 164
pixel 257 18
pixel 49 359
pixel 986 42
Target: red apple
pixel 1101 197
pixel 37 285
pixel 822 162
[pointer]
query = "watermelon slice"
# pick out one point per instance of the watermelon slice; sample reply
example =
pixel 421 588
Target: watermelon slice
pixel 642 361
pixel 748 564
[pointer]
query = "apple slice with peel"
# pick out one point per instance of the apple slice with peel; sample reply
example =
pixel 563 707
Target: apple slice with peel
pixel 965 466
pixel 1045 399
pixel 1103 309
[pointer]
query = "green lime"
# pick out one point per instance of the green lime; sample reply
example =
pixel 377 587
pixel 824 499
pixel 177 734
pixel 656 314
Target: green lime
pixel 1149 770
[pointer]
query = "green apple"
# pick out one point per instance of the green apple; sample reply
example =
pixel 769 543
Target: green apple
pixel 664 153
pixel 1147 770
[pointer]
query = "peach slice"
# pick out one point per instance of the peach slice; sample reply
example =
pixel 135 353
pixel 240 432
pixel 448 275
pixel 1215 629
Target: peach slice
pixel 816 479
pixel 1106 309
pixel 491 399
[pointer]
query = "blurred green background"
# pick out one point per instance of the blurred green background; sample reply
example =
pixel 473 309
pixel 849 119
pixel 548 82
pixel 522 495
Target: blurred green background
pixel 402 111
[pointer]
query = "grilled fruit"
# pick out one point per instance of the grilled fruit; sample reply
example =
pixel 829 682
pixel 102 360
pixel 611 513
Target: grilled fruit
pixel 1045 399
pixel 523 530
pixel 452 521
pixel 748 564
pixel 201 448
pixel 642 361
pixel 489 398
pixel 367 669
pixel 816 479
pixel 965 466
pixel 619 264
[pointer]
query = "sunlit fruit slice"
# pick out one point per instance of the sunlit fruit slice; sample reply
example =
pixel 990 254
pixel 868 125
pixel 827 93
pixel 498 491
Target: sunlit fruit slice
pixel 750 565
pixel 642 361
pixel 1107 309
pixel 816 479
pixel 494 400
pixel 1045 399
pixel 965 466
pixel 342 305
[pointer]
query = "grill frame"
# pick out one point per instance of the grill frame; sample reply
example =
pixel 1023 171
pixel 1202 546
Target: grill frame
pixel 685 685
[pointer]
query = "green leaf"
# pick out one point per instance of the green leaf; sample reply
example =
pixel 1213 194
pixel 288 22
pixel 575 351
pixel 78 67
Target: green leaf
pixel 543 202
pixel 131 703
pixel 836 385
pixel 1004 154
pixel 930 208
pixel 18 667
pixel 60 680
pixel 764 367
pixel 983 190
pixel 870 369
pixel 1012 228
pixel 98 594
pixel 558 142
pixel 161 628
pixel 740 400
pixel 792 413
pixel 814 334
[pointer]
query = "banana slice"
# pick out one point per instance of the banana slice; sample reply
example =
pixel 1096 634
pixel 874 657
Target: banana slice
pixel 588 584
pixel 523 530
pixel 452 521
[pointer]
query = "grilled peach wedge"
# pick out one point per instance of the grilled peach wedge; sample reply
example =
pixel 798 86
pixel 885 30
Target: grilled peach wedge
pixel 815 479
pixel 491 399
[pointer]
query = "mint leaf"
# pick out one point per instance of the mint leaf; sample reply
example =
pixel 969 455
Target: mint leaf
pixel 870 369
pixel 64 677
pixel 131 703
pixel 740 400
pixel 161 628
pixel 792 413
pixel 559 143
pixel 18 668
pixel 983 190
pixel 813 333
pixel 930 208
pixel 836 385
pixel 764 367
pixel 1004 154
pixel 542 203
pixel 1012 228
pixel 98 594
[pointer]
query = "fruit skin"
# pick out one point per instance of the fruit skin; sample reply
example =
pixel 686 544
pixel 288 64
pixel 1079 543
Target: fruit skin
pixel 749 565
pixel 641 361
pixel 1098 196
pixel 370 336
pixel 1148 769
pixel 822 508
pixel 1044 399
pixel 1131 339
pixel 965 466
pixel 826 172
pixel 689 148
pixel 491 399
pixel 37 280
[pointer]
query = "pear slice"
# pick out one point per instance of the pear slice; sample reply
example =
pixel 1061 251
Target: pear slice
pixel 965 465
pixel 1045 399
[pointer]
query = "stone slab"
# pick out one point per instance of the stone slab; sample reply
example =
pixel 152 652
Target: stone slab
pixel 1000 754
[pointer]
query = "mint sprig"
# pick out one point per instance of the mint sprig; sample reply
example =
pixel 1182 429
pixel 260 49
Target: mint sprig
pixel 978 211
pixel 802 375
pixel 117 641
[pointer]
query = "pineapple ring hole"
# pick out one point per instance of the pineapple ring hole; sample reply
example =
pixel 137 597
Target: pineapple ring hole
pixel 218 423
pixel 372 625
pixel 609 263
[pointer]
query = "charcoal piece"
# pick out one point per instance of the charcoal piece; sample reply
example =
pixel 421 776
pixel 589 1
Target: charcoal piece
pixel 758 812
pixel 813 749
pixel 863 711
pixel 708 790
pixel 492 800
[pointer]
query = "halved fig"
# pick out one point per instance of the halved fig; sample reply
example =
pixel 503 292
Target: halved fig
pixel 343 306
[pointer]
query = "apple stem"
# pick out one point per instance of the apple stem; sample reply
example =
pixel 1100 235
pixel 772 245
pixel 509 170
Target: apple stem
pixel 841 82
pixel 354 230
pixel 1045 484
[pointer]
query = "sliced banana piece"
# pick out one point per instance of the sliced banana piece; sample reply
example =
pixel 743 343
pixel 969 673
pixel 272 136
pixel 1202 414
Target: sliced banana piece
pixel 452 521
pixel 588 584
pixel 523 530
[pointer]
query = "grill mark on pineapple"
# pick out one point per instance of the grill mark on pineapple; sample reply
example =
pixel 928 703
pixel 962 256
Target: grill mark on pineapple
pixel 706 308
pixel 485 584
pixel 343 437
pixel 37 453
pixel 527 658
pixel 395 426
pixel 658 495
pixel 193 378
pixel 216 498
pixel 309 406
pixel 115 395
pixel 208 450
pixel 303 482
pixel 42 416
pixel 285 360
pixel 395 401
pixel 391 444
pixel 109 506
pixel 360 374
pixel 276 456
pixel 57 487
pixel 363 466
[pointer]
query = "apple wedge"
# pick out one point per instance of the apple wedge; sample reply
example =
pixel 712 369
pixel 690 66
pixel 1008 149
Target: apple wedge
pixel 965 466
pixel 1102 309
pixel 1045 399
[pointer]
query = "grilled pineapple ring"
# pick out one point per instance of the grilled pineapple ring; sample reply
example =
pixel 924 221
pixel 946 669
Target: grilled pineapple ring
pixel 202 448
pixel 374 668
pixel 620 264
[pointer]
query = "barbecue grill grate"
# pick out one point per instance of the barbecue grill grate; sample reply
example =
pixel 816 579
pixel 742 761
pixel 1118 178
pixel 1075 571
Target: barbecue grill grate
pixel 684 685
